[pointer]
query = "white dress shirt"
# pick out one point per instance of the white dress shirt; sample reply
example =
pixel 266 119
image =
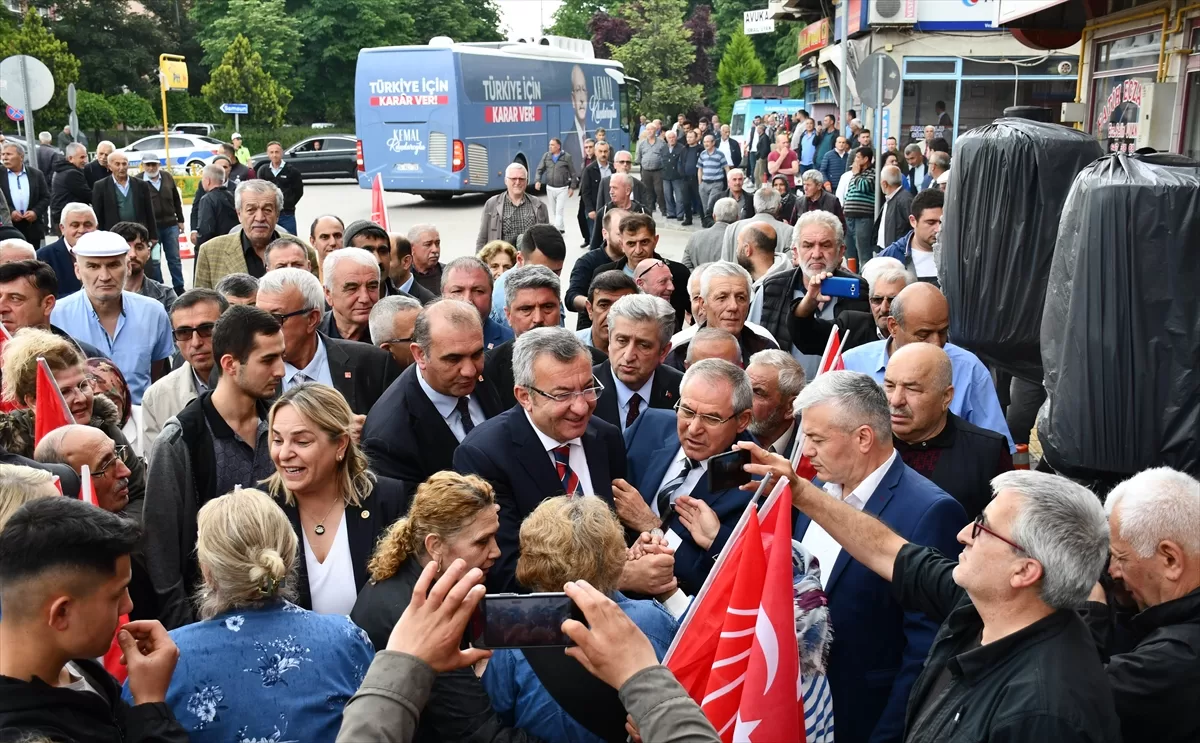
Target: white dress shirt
pixel 577 460
pixel 447 407
pixel 781 444
pixel 818 541
pixel 331 583
pixel 624 395
pixel 18 186
pixel 316 371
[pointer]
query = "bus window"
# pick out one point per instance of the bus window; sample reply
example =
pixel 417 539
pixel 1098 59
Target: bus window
pixel 738 125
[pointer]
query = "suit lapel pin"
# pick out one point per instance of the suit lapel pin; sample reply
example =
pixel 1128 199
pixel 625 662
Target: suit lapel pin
pixel 365 514
pixel 347 375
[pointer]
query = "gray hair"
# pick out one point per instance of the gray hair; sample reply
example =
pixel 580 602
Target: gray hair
pixel 710 334
pixel 514 167
pixel 727 210
pixel 734 171
pixel 645 308
pixel 214 173
pixel 1158 504
pixel 12 144
pixel 791 373
pixel 529 277
pixel 383 316
pixel 891 175
pixel 882 269
pixel 45 138
pixel 74 208
pixel 723 268
pixel 825 219
pixel 1060 524
pixel 857 397
pixel 720 370
pixel 466 263
pixel 455 311
pixel 105 143
pixel 417 230
pixel 354 255
pixel 73 149
pixel 621 178
pixel 258 186
pixel 940 159
pixel 282 279
pixel 240 285
pixel 16 243
pixel 557 341
pixel 767 200
pixel 282 241
pixel 813 176
pixel 618 153
pixel 697 275
pixel 912 149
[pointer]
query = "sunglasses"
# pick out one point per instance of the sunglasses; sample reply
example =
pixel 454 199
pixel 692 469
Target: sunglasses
pixel 185 332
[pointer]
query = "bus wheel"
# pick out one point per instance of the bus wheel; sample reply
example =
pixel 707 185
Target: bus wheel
pixel 438 196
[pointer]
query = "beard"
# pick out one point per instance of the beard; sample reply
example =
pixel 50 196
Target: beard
pixel 759 428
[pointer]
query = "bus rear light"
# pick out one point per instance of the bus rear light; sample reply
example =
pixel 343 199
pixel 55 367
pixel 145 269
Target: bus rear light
pixel 460 159
pixel 358 156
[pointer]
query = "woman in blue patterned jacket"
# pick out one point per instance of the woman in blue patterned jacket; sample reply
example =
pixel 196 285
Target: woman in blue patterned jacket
pixel 258 667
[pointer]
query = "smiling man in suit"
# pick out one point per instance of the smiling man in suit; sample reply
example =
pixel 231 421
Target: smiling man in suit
pixel 634 376
pixel 418 423
pixel 550 444
pixel 668 468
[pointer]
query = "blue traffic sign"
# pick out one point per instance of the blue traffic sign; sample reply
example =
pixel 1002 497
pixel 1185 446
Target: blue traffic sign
pixel 15 114
pixel 235 108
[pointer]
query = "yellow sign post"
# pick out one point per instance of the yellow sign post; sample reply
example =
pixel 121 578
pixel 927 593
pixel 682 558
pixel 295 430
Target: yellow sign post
pixel 172 75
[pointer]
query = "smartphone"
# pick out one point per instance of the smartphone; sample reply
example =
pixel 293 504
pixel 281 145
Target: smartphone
pixel 725 470
pixel 532 620
pixel 836 286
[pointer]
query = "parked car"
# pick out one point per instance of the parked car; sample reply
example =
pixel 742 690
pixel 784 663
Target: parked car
pixel 204 130
pixel 330 156
pixel 189 152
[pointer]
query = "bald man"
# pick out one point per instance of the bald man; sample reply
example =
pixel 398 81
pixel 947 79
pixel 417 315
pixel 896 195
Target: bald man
pixel 959 457
pixel 921 314
pixel 755 252
pixel 713 343
pixel 75 445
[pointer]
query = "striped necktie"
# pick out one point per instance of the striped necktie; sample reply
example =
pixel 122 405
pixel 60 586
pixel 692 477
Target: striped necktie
pixel 570 481
pixel 668 490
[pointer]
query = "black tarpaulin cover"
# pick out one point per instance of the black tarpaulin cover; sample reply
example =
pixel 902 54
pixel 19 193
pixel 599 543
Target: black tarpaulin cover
pixel 1008 182
pixel 1121 330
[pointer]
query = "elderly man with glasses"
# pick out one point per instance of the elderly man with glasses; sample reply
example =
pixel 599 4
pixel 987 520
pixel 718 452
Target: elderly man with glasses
pixel 622 163
pixel 507 215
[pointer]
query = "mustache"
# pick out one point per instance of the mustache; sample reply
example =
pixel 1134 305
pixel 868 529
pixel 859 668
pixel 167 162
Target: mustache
pixel 902 412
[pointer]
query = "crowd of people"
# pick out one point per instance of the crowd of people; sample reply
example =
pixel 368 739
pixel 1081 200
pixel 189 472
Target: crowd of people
pixel 283 492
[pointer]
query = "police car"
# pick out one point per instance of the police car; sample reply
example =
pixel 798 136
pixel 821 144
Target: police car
pixel 189 152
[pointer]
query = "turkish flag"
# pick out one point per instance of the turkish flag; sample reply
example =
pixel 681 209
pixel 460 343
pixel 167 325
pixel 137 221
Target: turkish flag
pixel 51 409
pixel 831 360
pixel 379 213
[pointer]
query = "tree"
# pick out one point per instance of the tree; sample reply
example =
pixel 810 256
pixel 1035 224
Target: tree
pixel 728 18
pixel 659 54
pixel 271 32
pixel 704 38
pixel 94 111
pixel 572 18
pixel 109 39
pixel 608 33
pixel 34 39
pixel 740 66
pixel 463 20
pixel 241 78
pixel 132 110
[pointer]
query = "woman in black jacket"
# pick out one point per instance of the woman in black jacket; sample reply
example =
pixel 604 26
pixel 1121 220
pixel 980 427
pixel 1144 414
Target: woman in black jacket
pixel 787 204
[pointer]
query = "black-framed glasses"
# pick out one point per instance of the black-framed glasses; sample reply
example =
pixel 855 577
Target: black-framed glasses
pixel 591 394
pixel 708 419
pixel 978 527
pixel 119 454
pixel 281 319
pixel 184 333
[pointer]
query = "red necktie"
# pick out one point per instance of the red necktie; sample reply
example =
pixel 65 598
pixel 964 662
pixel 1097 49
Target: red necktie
pixel 570 481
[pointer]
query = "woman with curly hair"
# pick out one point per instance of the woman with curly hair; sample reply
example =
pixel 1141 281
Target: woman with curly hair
pixel 498 256
pixel 336 505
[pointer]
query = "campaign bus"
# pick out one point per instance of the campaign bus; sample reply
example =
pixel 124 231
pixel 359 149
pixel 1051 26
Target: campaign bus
pixel 448 118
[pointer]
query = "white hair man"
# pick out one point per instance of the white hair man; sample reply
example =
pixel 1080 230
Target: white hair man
pixel 939 168
pixel 426 242
pixel 15 249
pixel 706 245
pixel 725 290
pixel 776 380
pixel 1154 536
pixel 634 376
pixel 767 202
pixel 98 168
pixel 69 184
pixel 892 222
pixel 352 281
pixel 26 192
pixel 391 323
pixel 216 212
pixel 886 278
pixel 507 215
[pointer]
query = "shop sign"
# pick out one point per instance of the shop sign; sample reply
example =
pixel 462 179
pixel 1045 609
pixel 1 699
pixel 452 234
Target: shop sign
pixel 814 36
pixel 758 21
pixel 1117 121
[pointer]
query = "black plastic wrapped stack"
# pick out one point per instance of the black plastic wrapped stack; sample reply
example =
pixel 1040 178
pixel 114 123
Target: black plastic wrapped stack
pixel 1008 183
pixel 1121 331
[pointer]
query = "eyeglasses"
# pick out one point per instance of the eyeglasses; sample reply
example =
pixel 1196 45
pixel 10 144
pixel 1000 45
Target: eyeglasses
pixel 708 419
pixel 281 319
pixel 84 387
pixel 590 394
pixel 119 454
pixel 624 162
pixel 184 333
pixel 878 300
pixel 646 267
pixel 978 527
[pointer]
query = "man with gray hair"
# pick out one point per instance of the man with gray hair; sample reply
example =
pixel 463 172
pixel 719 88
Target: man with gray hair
pixel 98 168
pixel 847 433
pixel 421 419
pixel 426 242
pixel 892 222
pixel 634 376
pixel 392 322
pixel 669 484
pixel 469 280
pixel 352 281
pixel 76 220
pixel 939 169
pixel 120 198
pixel 506 215
pixel 622 162
pixel 706 245
pixel 14 249
pixel 1013 659
pixel 726 291
pixel 776 379
pixel 69 184
pixel 919 177
pixel 26 191
pixel 766 211
pixel 713 343
pixel 620 190
pixel 217 214
pixel 548 445
pixel 1154 536
pixel 238 288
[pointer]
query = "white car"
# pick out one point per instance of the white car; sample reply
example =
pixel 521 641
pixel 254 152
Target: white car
pixel 189 152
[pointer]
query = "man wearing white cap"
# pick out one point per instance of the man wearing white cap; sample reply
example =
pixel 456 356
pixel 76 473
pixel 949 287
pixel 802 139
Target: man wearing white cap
pixel 134 330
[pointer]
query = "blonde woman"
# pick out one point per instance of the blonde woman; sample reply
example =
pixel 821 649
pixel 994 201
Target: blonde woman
pixel 337 507
pixel 19 485
pixel 498 256
pixel 256 666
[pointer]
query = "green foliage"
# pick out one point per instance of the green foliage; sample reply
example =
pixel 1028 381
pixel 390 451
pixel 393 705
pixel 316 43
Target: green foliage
pixel 786 47
pixel 132 110
pixel 739 66
pixel 117 48
pixel 33 38
pixel 94 110
pixel 572 17
pixel 461 20
pixel 771 50
pixel 272 33
pixel 241 78
pixel 659 54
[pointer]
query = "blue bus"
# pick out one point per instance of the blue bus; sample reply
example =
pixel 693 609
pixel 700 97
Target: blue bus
pixel 448 118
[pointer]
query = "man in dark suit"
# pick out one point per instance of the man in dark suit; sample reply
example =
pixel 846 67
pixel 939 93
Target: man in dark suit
pixel 897 208
pixel 531 295
pixel 421 419
pixel 119 198
pixel 76 220
pixel 400 278
pixel 548 445
pixel 68 183
pixel 735 150
pixel 46 153
pixel 359 371
pixel 26 191
pixel 589 185
pixel 584 270
pixel 776 379
pixel 639 242
pixel 880 648
pixel 97 170
pixel 669 458
pixel 634 376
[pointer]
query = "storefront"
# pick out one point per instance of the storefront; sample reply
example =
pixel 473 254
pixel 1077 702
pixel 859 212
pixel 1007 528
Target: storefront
pixel 1124 71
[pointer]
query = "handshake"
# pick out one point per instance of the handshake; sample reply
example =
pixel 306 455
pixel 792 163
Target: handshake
pixel 650 567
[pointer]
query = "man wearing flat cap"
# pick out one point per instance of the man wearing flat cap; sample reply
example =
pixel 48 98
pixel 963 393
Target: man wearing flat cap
pixel 134 330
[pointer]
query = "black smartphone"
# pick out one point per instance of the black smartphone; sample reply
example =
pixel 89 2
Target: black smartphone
pixel 725 470
pixel 532 620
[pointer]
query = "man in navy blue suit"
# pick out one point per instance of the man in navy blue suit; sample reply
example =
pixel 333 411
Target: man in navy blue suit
pixel 548 445
pixel 668 467
pixel 878 648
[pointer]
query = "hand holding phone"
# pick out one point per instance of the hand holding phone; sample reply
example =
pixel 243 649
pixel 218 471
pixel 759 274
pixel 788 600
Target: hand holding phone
pixel 836 286
pixel 534 620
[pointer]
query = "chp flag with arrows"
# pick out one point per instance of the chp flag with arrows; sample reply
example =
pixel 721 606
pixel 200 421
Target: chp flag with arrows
pixel 379 212
pixel 50 411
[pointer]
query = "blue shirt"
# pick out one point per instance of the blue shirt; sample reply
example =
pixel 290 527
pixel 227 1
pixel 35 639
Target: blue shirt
pixel 123 189
pixel 143 334
pixel 712 166
pixel 18 186
pixel 808 148
pixel 975 399
pixel 520 699
pixel 272 673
